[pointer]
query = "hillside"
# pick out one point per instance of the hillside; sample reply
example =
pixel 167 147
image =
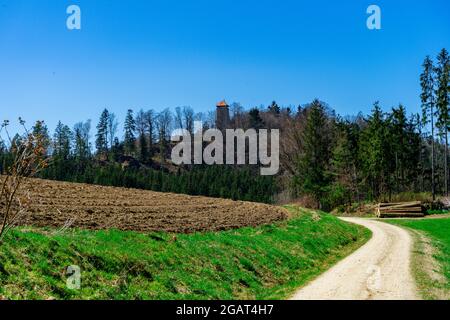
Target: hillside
pixel 266 262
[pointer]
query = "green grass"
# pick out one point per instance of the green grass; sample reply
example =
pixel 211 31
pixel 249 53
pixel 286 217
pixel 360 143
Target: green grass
pixel 438 230
pixel 267 262
pixel 429 212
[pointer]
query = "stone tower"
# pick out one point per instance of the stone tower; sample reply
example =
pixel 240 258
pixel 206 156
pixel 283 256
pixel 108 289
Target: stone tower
pixel 222 115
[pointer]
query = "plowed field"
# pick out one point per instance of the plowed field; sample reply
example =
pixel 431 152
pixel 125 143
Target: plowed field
pixel 97 207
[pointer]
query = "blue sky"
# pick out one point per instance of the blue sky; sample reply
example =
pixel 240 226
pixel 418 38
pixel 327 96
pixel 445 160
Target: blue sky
pixel 157 54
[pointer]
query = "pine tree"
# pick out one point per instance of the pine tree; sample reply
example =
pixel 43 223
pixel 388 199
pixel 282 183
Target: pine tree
pixel 398 142
pixel 312 176
pixel 62 141
pixel 130 128
pixel 427 82
pixel 442 104
pixel 40 129
pixel 344 163
pixel 102 136
pixel 256 122
pixel 414 153
pixel 374 153
pixel 274 108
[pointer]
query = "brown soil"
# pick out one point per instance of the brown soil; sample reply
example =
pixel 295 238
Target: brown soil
pixel 56 204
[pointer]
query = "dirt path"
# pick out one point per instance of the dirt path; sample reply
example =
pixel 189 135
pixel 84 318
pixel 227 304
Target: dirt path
pixel 380 270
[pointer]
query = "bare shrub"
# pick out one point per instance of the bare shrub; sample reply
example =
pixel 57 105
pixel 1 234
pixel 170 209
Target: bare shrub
pixel 27 159
pixel 306 201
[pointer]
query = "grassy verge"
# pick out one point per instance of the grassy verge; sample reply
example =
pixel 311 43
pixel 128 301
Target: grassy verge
pixel 268 262
pixel 431 258
pixel 430 212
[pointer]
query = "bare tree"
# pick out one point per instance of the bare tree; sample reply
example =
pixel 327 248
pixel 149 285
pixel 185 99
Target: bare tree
pixel 112 128
pixel 184 118
pixel 28 158
pixel 163 122
pixel 237 112
pixel 188 117
pixel 82 135
pixel 210 120
pixel 179 118
pixel 141 123
pixel 150 121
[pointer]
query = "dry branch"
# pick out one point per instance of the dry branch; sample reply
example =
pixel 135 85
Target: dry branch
pixel 28 158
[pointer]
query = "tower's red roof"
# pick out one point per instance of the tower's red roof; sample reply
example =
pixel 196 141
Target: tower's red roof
pixel 222 103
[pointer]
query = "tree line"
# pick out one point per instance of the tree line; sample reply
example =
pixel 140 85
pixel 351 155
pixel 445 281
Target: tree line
pixel 330 159
pixel 339 161
pixel 140 159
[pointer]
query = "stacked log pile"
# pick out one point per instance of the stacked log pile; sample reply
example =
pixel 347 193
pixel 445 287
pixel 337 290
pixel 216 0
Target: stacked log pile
pixel 400 210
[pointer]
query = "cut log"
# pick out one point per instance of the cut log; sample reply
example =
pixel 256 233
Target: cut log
pixel 400 209
pixel 417 209
pixel 401 204
pixel 401 215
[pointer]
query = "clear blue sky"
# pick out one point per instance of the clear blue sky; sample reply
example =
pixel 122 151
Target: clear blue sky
pixel 157 54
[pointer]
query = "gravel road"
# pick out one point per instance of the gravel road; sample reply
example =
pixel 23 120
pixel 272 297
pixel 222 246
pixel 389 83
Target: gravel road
pixel 379 270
